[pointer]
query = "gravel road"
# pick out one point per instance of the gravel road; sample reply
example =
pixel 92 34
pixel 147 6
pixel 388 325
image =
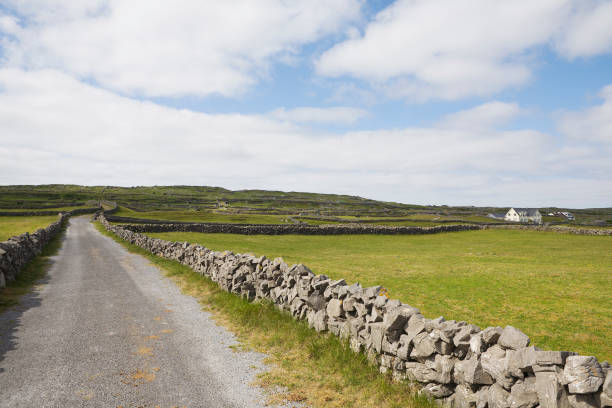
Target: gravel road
pixel 106 329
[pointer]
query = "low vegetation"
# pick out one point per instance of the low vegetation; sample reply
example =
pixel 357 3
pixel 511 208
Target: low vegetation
pixel 318 370
pixel 555 287
pixel 15 225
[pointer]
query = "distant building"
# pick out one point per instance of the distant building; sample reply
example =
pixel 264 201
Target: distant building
pixel 497 216
pixel 524 215
pixel 568 215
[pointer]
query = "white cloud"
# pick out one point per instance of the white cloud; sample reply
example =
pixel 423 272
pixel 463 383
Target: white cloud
pixel 592 124
pixel 337 114
pixel 49 134
pixel 485 116
pixel 589 31
pixel 429 49
pixel 183 47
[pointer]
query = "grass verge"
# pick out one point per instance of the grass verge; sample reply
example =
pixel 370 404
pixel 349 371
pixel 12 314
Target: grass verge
pixel 318 370
pixel 30 274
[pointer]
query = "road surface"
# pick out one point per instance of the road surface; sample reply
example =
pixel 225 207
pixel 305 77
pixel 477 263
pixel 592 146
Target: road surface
pixel 106 329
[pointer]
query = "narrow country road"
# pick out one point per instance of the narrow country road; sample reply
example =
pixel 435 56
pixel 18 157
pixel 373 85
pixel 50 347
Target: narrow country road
pixel 106 329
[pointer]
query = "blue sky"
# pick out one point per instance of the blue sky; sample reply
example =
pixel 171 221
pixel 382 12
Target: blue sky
pixel 418 101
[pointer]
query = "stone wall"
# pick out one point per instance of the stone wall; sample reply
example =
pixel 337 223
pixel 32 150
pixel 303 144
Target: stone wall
pixel 301 229
pixel 455 362
pixel 21 249
pixel 33 213
pixel 555 228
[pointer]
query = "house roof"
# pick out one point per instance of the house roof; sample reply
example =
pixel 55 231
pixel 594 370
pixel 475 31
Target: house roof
pixel 527 212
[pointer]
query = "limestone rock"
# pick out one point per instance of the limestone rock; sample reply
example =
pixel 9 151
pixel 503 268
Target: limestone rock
pixel 524 394
pixel 464 397
pixel 582 374
pixel 607 385
pixel 334 308
pixel 490 335
pixel 494 362
pixel 423 346
pixel 498 397
pixel 437 390
pixel 513 338
pixel 551 394
pixel 583 401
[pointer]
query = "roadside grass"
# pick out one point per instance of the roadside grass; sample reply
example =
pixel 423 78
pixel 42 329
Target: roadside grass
pixel 555 287
pixel 319 370
pixel 33 271
pixel 15 225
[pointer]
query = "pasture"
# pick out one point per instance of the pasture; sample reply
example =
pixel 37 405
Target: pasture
pixel 555 287
pixel 11 226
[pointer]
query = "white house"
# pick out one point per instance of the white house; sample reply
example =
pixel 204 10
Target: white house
pixel 524 215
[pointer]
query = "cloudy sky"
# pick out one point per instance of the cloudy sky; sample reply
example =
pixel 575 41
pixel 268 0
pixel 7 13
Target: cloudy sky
pixel 480 102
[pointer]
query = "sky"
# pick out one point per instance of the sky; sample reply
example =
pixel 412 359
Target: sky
pixel 470 102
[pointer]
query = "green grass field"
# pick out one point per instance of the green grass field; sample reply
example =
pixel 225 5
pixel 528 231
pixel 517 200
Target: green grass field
pixel 203 216
pixel 11 226
pixel 556 287
pixel 57 209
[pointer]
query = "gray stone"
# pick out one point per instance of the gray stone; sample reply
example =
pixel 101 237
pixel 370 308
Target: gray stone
pixel 464 397
pixel 316 302
pixel 605 400
pixel 423 346
pixel 607 385
pixel 380 302
pixel 513 338
pixel 583 401
pixel 395 320
pixel 319 322
pixel 334 308
pixel 491 335
pixel 551 394
pixel 434 390
pixel 374 316
pixel 582 374
pixel 349 304
pixel 415 326
pixel 471 372
pixel 494 362
pixel 376 336
pixel 524 394
pixel 444 368
pixel 361 309
pixel 498 397
pixel 543 357
pixel 476 345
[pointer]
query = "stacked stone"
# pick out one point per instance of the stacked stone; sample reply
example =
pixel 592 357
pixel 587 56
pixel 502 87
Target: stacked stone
pixel 555 228
pixel 21 249
pixel 456 363
pixel 34 213
pixel 283 229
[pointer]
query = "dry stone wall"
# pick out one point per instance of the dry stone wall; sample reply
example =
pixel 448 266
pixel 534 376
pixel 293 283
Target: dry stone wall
pixel 456 363
pixel 33 213
pixel 283 229
pixel 21 249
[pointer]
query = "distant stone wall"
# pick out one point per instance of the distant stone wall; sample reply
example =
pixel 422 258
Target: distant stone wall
pixel 21 249
pixel 301 229
pixel 33 213
pixel 456 363
pixel 555 228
